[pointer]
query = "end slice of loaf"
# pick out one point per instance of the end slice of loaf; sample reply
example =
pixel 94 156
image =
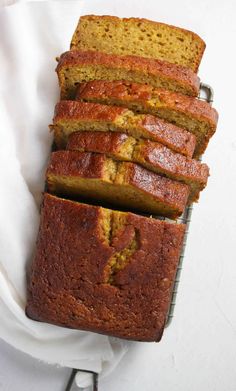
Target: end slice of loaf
pixel 75 67
pixel 184 111
pixel 151 155
pixel 71 116
pixel 129 185
pixel 141 37
pixel 104 271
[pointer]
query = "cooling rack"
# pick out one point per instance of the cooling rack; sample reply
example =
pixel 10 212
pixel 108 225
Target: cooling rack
pixel 206 93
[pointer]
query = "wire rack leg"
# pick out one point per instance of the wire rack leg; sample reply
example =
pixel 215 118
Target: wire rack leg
pixel 71 380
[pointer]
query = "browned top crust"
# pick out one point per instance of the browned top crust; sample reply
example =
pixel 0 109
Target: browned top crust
pixel 102 142
pixel 149 126
pixel 70 281
pixel 182 75
pixel 139 28
pixel 155 153
pixel 77 164
pixel 134 92
pixel 66 109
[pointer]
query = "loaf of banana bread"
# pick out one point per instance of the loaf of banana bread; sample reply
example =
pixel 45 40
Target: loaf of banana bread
pixel 151 155
pixel 75 67
pixel 71 116
pixel 129 185
pixel 184 111
pixel 104 271
pixel 141 37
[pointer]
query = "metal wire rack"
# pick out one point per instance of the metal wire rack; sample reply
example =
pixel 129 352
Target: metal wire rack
pixel 72 379
pixel 207 94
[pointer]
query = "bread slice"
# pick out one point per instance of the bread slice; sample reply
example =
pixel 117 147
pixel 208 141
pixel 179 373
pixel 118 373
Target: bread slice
pixel 141 37
pixel 151 155
pixel 186 112
pixel 129 185
pixel 75 67
pixel 104 271
pixel 71 116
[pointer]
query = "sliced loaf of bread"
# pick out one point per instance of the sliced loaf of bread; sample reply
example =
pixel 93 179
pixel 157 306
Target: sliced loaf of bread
pixel 71 116
pixel 151 155
pixel 129 185
pixel 75 67
pixel 184 111
pixel 140 37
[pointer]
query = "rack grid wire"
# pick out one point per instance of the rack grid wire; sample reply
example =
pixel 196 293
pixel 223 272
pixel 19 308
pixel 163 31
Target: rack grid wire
pixel 206 93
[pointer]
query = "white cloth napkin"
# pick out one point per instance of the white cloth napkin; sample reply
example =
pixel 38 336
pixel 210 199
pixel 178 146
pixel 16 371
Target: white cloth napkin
pixel 32 35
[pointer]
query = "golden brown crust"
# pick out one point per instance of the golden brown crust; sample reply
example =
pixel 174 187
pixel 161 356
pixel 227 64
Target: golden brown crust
pixel 76 164
pixel 67 285
pixel 151 155
pixel 125 91
pixel 175 166
pixel 146 126
pixel 156 153
pixel 178 76
pixel 160 195
pixel 193 62
pixel 101 142
pixel 84 111
pixel 155 101
pixel 168 191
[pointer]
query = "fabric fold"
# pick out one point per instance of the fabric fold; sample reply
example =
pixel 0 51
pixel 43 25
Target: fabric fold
pixel 32 35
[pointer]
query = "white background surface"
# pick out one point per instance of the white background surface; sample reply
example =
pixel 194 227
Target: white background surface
pixel 198 351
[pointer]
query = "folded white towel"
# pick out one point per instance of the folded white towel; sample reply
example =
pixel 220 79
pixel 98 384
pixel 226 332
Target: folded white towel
pixel 32 35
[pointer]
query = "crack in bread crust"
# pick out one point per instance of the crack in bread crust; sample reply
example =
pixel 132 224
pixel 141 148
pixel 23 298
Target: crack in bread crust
pixel 126 240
